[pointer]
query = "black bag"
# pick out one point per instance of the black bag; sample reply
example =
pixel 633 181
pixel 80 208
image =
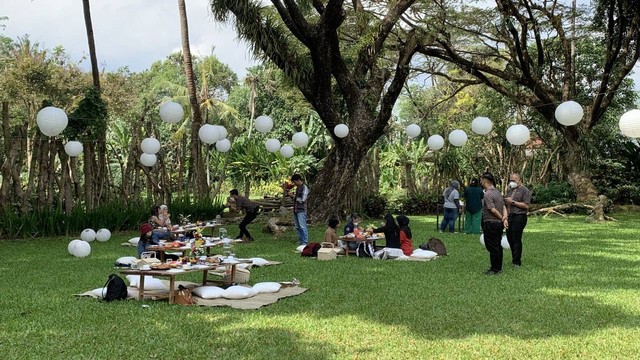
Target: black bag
pixel 311 249
pixel 365 250
pixel 116 289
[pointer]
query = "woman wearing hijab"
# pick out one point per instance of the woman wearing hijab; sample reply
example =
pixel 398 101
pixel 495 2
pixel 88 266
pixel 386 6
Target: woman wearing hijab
pixel 451 206
pixel 473 210
pixel 406 243
pixel 391 232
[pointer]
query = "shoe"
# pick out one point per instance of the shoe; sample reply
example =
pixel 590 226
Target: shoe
pixel 440 231
pixel 249 239
pixel 516 266
pixel 384 255
pixel 492 272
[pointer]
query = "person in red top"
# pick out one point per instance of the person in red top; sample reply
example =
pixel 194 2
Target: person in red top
pixel 405 235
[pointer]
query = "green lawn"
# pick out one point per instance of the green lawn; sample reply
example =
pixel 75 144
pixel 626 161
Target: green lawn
pixel 576 296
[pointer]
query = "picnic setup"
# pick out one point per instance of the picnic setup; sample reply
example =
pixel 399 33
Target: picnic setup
pixel 326 179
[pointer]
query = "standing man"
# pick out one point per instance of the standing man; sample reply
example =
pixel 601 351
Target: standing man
pixel 517 200
pixel 250 210
pixel 300 208
pixel 494 220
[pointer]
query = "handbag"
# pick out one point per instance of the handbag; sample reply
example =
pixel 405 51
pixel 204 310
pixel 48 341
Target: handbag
pixel 183 296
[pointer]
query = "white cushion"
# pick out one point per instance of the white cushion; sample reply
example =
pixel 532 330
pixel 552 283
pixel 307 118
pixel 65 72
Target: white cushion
pixel 424 254
pixel 135 279
pixel 504 242
pixel 237 292
pixel 259 261
pixel 300 248
pixel 267 287
pixel 153 284
pixel 209 292
pixel 244 266
pixel 125 260
pixel 134 241
pixel 99 292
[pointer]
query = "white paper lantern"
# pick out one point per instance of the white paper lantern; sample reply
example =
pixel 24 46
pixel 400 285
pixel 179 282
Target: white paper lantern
pixel 518 134
pixel 171 112
pixel 481 125
pixel 148 159
pixel 569 113
pixel 300 139
pixel 88 235
pixel 341 130
pixel 150 146
pixel 222 132
pixel 51 120
pixel 72 245
pixel 223 145
pixel 482 239
pixel 412 130
pixel 209 134
pixel 458 137
pixel 286 151
pixel 630 123
pixel 264 124
pixel 82 249
pixel 272 145
pixel 103 235
pixel 73 148
pixel 435 142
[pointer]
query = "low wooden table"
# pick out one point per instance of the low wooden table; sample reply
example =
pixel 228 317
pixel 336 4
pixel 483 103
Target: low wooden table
pixel 371 239
pixel 162 250
pixel 185 228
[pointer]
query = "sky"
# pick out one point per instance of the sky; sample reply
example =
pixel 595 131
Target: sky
pixel 133 33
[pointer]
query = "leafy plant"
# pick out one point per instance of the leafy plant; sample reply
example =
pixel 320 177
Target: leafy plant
pixel 553 193
pixel 374 205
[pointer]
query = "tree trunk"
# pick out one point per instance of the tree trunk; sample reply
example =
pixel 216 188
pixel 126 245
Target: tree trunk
pixel 92 45
pixel 577 174
pixel 196 167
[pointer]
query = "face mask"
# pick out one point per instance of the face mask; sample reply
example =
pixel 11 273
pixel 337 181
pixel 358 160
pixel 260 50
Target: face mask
pixel 355 223
pixel 513 185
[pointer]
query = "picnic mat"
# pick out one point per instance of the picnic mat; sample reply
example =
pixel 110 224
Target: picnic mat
pixel 254 302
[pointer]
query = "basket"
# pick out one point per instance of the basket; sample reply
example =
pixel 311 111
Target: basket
pixel 241 275
pixel 327 253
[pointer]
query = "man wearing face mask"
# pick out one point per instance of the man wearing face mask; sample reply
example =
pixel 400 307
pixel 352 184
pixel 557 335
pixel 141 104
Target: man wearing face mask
pixel 517 201
pixel 494 220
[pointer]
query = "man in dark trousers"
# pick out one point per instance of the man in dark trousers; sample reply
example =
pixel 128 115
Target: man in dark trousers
pixel 250 210
pixel 494 220
pixel 517 201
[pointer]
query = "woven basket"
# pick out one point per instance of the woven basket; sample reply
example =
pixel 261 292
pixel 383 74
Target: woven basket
pixel 241 276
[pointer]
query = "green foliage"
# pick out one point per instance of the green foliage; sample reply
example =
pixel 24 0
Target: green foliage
pixel 374 205
pixel 553 193
pixel 89 120
pixel 419 204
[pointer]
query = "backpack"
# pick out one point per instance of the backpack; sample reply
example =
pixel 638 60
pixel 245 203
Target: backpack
pixel 311 249
pixel 436 245
pixel 116 289
pixel 364 250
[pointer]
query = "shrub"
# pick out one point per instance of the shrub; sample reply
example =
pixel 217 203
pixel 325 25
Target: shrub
pixel 374 205
pixel 553 193
pixel 419 204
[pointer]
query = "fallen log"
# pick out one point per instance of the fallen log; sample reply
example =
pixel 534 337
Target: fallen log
pixel 596 213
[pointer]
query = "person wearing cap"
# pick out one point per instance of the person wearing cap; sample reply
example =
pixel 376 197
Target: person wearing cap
pixel 147 237
pixel 300 198
pixel 451 206
pixel 494 220
pixel 517 201
pixel 250 213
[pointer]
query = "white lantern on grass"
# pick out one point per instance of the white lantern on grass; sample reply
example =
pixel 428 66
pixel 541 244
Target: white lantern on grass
pixel 88 235
pixel 72 245
pixel 82 249
pixel 286 151
pixel 272 145
pixel 481 125
pixel 73 148
pixel 412 130
pixel 504 242
pixel 103 235
pixel 148 159
pixel 569 113
pixel 171 112
pixel 458 137
pixel 341 130
pixel 208 134
pixel 223 145
pixel 150 145
pixel 264 124
pixel 482 239
pixel 518 134
pixel 51 120
pixel 300 139
pixel 435 142
pixel 630 123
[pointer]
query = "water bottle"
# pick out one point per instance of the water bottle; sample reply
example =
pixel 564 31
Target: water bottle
pixel 223 233
pixel 218 219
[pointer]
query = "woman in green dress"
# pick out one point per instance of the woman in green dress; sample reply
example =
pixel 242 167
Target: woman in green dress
pixel 473 208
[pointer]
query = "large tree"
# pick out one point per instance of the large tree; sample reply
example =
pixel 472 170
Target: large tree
pixel 349 60
pixel 530 51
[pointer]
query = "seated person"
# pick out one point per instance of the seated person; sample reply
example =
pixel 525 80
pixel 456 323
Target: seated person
pixel 391 233
pixel 147 238
pixel 352 227
pixel 164 216
pixel 331 236
pixel 160 229
pixel 405 235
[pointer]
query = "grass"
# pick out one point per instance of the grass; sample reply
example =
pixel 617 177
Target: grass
pixel 576 296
